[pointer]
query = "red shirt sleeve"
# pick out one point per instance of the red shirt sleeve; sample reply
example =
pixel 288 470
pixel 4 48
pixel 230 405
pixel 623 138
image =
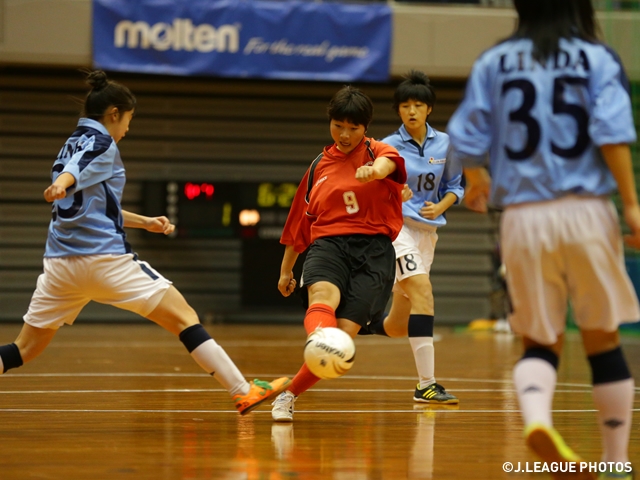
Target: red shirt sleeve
pixel 383 150
pixel 297 229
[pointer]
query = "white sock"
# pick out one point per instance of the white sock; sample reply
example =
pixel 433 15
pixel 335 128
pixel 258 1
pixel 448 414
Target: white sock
pixel 535 382
pixel 424 355
pixel 215 361
pixel 614 402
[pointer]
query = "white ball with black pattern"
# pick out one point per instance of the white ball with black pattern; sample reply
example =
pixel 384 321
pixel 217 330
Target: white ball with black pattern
pixel 329 352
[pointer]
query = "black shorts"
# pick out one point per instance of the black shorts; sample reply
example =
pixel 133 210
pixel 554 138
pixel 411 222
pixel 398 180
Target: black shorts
pixel 361 266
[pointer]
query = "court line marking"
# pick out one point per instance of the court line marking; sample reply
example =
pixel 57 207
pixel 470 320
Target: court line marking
pixel 268 375
pixel 298 412
pixel 216 390
pixel 272 375
pixel 224 343
pixel 362 340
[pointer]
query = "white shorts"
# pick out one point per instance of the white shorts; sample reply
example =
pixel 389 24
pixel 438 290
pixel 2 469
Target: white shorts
pixel 69 283
pixel 570 248
pixel 415 247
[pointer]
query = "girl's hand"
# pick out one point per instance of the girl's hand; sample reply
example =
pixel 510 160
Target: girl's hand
pixel 286 284
pixel 632 219
pixel 366 174
pixel 407 193
pixel 160 225
pixel 431 210
pixel 54 192
pixel 477 191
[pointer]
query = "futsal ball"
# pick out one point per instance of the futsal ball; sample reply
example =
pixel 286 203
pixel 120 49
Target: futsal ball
pixel 329 352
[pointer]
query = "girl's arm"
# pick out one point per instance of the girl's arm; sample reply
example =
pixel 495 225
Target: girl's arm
pixel 434 210
pixel 151 224
pixel 382 167
pixel 618 159
pixel 478 187
pixel 286 283
pixel 58 189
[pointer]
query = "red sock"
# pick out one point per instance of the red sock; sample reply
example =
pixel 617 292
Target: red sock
pixel 319 315
pixel 303 381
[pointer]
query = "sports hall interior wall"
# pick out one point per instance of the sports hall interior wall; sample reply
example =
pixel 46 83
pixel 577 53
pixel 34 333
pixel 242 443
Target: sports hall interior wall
pixel 203 128
pixel 231 130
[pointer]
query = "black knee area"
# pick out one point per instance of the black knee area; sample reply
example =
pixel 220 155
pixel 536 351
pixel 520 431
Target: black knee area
pixel 420 325
pixel 194 336
pixel 10 355
pixel 376 327
pixel 543 354
pixel 365 331
pixel 609 367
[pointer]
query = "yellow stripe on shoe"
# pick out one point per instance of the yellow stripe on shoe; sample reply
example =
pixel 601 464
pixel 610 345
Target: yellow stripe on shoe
pixel 434 394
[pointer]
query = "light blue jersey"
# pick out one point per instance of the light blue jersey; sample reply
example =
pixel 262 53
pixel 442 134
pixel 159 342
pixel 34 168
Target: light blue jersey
pixel 542 125
pixel 429 174
pixel 88 221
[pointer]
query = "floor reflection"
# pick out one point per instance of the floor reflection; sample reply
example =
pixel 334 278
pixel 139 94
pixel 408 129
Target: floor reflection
pixel 384 449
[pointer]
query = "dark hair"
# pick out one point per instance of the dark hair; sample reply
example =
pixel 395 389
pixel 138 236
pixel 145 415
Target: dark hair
pixel 351 105
pixel 106 93
pixel 587 23
pixel 545 22
pixel 416 86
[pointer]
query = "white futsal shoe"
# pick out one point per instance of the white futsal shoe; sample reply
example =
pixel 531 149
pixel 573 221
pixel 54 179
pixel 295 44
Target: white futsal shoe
pixel 282 410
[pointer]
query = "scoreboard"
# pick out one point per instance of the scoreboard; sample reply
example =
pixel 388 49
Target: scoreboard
pixel 221 209
pixel 254 212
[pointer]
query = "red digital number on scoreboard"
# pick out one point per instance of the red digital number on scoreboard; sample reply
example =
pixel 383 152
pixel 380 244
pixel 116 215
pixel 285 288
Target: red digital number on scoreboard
pixel 194 190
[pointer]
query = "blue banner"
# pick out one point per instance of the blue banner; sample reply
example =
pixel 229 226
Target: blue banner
pixel 244 38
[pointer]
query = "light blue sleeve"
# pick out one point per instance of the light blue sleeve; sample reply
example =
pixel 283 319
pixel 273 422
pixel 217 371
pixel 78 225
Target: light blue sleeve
pixel 611 121
pixel 452 180
pixel 93 164
pixel 470 126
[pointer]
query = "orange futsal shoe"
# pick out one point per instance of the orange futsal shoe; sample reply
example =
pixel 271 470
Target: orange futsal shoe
pixel 259 391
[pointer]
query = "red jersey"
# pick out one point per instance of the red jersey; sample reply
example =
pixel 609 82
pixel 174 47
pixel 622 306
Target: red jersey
pixel 340 205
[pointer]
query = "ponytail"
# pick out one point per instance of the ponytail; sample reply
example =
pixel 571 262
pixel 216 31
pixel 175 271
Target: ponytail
pixel 106 93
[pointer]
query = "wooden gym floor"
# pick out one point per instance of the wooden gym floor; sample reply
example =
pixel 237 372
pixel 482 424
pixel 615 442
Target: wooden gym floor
pixel 127 402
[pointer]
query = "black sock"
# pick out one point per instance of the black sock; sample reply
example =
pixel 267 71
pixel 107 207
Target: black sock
pixel 420 325
pixel 10 356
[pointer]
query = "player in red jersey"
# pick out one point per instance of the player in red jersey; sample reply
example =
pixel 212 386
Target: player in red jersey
pixel 347 211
